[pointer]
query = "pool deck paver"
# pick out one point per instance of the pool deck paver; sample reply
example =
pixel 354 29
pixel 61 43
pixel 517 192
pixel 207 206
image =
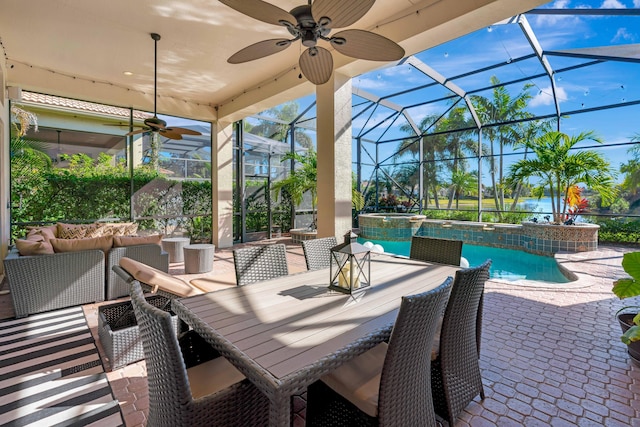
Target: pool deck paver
pixel 551 354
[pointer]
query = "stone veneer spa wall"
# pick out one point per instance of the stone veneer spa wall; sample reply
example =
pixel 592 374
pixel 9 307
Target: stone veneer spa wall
pixel 537 238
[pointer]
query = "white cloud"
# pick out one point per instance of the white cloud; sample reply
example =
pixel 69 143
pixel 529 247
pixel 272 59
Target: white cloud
pixel 612 4
pixel 545 96
pixel 364 119
pixel 553 20
pixel 636 3
pixel 623 34
pixel 421 111
pixel 388 79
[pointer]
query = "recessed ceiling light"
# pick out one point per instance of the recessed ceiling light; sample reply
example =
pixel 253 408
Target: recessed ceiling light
pixel 128 73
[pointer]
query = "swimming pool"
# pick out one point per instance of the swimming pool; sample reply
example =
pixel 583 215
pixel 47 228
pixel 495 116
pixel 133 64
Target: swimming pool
pixel 508 264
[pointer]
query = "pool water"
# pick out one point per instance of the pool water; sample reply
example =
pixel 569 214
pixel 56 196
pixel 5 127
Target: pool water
pixel 508 264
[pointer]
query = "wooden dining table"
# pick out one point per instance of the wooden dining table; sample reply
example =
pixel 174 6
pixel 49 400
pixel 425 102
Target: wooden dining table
pixel 285 333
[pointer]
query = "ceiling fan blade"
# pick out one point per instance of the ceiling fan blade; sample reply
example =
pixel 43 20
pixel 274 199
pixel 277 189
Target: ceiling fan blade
pixel 342 13
pixel 183 131
pixel 259 50
pixel 169 134
pixel 135 132
pixel 155 126
pixel 316 64
pixel 363 44
pixel 121 125
pixel 260 10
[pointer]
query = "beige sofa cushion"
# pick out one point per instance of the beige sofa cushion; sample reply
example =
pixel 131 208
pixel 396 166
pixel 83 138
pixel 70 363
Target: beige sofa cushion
pixel 74 231
pixel 154 239
pixel 75 245
pixel 158 279
pixel 114 229
pixel 32 247
pixel 48 232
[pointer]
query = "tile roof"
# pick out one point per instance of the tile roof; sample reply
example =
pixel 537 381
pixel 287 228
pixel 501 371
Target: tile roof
pixel 58 101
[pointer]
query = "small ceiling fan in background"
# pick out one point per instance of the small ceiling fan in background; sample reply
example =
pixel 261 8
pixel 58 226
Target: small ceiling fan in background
pixel 155 124
pixel 313 22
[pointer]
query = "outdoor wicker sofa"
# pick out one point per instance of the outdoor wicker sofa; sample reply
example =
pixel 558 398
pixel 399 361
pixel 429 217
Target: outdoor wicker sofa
pixel 48 282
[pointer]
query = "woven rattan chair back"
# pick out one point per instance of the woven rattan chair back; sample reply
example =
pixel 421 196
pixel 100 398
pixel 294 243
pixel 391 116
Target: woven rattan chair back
pixel 170 400
pixel 405 386
pixel 257 263
pixel 443 251
pixel 455 374
pixel 317 252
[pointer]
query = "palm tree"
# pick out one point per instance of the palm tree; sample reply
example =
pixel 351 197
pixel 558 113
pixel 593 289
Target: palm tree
pixel 463 183
pixel 27 155
pixel 502 108
pixel 301 180
pixel 279 128
pixel 444 150
pixel 631 169
pixel 23 120
pixel 559 169
pixel 523 132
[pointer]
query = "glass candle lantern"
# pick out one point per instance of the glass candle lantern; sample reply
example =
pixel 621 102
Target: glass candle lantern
pixel 350 269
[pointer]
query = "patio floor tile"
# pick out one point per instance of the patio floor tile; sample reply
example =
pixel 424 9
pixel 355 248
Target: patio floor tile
pixel 550 355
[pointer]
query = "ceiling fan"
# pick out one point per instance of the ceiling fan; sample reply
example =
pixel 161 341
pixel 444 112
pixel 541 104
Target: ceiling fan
pixel 313 22
pixel 154 124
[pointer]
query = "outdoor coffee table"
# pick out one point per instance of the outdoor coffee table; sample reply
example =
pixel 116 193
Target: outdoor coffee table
pixel 198 258
pixel 285 333
pixel 174 246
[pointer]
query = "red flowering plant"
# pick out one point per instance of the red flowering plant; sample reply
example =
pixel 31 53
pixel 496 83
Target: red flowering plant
pixel 391 200
pixel 576 204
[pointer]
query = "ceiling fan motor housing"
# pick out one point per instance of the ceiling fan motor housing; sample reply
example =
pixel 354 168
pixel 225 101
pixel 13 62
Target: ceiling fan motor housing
pixel 155 122
pixel 308 29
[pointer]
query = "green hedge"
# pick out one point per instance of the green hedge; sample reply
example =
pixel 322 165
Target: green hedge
pixel 88 194
pixel 618 230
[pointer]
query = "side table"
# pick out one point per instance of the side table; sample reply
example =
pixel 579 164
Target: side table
pixel 173 246
pixel 198 258
pixel 119 334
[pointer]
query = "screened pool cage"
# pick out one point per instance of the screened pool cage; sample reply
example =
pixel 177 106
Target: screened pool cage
pixel 437 133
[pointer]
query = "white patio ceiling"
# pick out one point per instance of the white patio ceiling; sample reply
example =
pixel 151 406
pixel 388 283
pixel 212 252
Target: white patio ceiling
pixel 80 49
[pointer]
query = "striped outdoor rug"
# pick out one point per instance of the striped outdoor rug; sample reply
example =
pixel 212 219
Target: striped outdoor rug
pixel 51 374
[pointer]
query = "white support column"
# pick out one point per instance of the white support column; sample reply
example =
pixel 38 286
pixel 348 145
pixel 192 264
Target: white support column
pixel 222 185
pixel 334 156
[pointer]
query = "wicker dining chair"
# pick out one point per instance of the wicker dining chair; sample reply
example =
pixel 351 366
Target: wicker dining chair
pixel 257 263
pixel 317 252
pixel 455 370
pixel 212 393
pixel 443 251
pixel 389 384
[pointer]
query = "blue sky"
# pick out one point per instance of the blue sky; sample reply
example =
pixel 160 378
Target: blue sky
pixel 503 43
pixel 589 87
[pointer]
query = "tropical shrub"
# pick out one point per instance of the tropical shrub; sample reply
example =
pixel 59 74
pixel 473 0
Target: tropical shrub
pixel 390 201
pixel 618 230
pixel 629 287
pixel 559 169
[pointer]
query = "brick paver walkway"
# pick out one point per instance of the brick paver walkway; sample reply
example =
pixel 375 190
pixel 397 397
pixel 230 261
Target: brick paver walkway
pixel 551 355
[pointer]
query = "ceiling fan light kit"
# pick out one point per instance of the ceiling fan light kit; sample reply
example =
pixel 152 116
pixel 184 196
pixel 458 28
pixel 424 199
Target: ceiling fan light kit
pixel 313 22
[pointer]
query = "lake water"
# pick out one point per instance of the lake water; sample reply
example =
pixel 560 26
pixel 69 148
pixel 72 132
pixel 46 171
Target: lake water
pixel 508 264
pixel 542 205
